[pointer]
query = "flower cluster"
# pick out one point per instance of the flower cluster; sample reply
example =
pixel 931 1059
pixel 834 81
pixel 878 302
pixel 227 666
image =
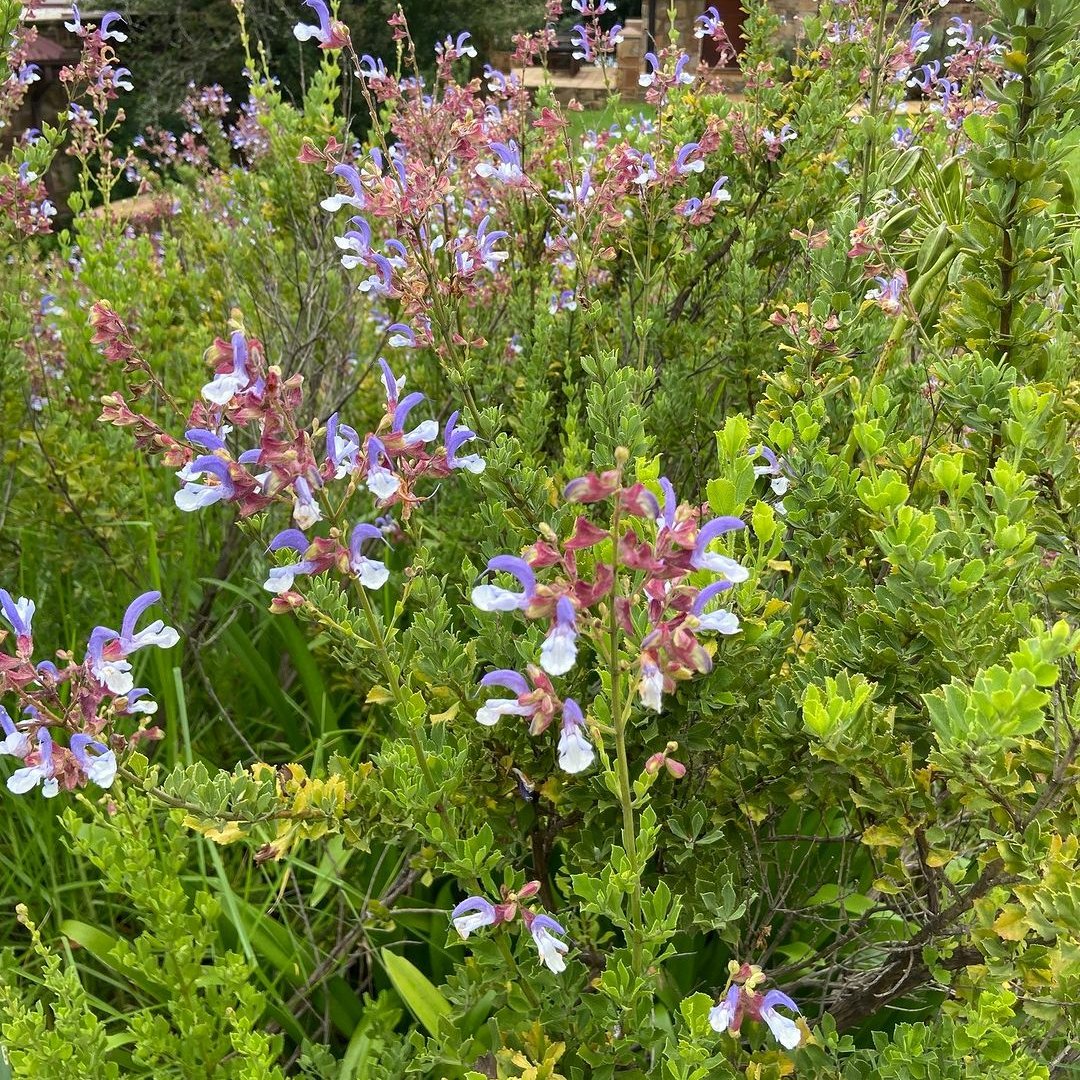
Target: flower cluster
pixel 650 563
pixel 710 25
pixel 475 912
pixel 89 700
pixel 742 1001
pixel 24 203
pixel 664 74
pixel 432 201
pixel 280 462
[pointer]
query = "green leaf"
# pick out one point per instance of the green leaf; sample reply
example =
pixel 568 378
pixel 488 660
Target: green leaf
pixel 416 990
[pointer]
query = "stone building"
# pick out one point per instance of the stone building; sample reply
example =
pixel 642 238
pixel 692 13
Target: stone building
pixel 52 48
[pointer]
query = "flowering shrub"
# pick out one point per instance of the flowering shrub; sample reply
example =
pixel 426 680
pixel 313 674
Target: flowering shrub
pixel 483 753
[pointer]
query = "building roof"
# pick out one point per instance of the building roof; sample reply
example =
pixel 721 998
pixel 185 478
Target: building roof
pixel 47 11
pixel 44 50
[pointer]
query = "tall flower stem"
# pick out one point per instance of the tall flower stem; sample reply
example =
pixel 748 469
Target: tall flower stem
pixel 622 766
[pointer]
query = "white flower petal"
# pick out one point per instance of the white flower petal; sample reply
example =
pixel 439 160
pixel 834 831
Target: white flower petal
pixel 558 653
pixel 575 751
pixel 496 598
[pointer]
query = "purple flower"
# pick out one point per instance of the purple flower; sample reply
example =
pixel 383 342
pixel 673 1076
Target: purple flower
pixel 136 704
pixel 333 203
pixel 683 77
pixel 393 385
pixel 382 481
pixel 107 20
pixel 207 440
pixel 563 301
pixel 322 32
pixel 99 767
pixel 401 336
pixel 575 751
pixel 646 170
pixel 357 241
pixel 16 743
pixel 157 633
pixel 371 69
pixel 457 48
pixel 74 27
pixel 19 615
pixel 424 432
pixel 719 192
pixel 490 712
pixel 708 24
pixel 381 282
pixel 740 1003
pixel 559 651
pixel 280 578
pixel 889 294
pixel 491 597
pixel 926 76
pixel 306 510
pixel 473 913
pixel 453 439
pixel 107 651
pixel 651 686
pixel 551 949
pixel 681 160
pixel 371 573
pixel 919 41
pixel 509 169
pixel 719 621
pixel 961 33
pixel 107 664
pixel 579 38
pixel 194 496
pixel 342 447
pixel 703 559
pixel 486 242
pixel 222 388
pixel 647 78
pixel 22 780
pixel 118 79
pixel 784 1029
pixel 723 1014
pixel 773 468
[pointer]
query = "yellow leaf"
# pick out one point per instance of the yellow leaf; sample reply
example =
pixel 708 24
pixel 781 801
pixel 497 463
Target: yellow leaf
pixel 1011 925
pixel 939 857
pixel 888 835
pixel 378 695
pixel 447 716
pixel 780 564
pixel 227 834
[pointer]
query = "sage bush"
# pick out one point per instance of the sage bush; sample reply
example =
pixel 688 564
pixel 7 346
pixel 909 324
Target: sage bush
pixel 521 592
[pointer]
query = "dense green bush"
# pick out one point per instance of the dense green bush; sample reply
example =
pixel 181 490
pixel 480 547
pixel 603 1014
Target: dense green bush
pixel 845 333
